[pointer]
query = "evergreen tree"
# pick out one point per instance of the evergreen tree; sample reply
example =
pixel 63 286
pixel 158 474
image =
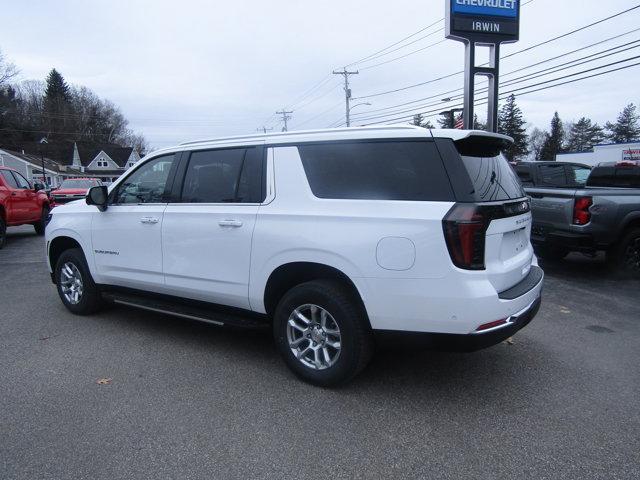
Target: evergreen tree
pixel 419 121
pixel 57 105
pixel 511 123
pixel 583 135
pixel 627 127
pixel 555 139
pixel 446 120
pixel 477 124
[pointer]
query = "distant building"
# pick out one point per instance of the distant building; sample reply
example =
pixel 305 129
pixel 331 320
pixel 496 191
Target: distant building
pixel 31 167
pixel 105 161
pixel 612 152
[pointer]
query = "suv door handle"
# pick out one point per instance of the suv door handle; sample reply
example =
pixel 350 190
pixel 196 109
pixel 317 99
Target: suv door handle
pixel 230 223
pixel 150 220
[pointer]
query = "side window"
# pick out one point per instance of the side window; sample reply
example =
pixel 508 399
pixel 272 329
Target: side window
pixel 577 175
pixel 147 184
pixel 524 174
pixel 22 182
pixel 223 176
pixel 388 170
pixel 6 174
pixel 553 175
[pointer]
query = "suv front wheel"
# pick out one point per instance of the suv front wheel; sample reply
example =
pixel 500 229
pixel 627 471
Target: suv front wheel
pixel 76 288
pixel 322 333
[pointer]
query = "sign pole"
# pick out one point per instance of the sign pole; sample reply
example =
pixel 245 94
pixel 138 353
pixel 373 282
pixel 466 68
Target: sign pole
pixel 482 23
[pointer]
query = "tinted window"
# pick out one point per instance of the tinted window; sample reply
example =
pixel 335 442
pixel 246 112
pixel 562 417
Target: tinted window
pixel 553 175
pixel 492 178
pixel 376 171
pixel 577 175
pixel 6 174
pixel 524 174
pixel 611 176
pixel 147 184
pixel 223 176
pixel 22 182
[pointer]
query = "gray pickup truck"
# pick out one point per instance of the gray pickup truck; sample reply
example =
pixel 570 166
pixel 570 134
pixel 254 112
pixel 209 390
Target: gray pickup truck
pixel 577 209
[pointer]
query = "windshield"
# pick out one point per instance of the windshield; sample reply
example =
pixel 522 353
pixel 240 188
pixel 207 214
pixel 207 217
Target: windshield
pixel 86 184
pixel 492 178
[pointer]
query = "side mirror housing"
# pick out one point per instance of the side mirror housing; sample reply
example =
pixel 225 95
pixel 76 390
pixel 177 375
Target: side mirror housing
pixel 37 186
pixel 98 196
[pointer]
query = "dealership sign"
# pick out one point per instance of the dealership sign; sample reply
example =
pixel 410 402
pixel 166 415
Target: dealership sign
pixel 483 21
pixel 631 154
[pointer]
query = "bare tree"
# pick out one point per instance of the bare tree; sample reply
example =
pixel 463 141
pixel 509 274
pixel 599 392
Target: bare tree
pixel 7 70
pixel 537 139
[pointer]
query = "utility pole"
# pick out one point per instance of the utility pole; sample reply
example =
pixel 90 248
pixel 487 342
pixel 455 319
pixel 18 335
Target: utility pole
pixel 264 129
pixel 285 117
pixel 347 92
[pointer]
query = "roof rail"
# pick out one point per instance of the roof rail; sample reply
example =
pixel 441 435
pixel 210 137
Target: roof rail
pixel 258 136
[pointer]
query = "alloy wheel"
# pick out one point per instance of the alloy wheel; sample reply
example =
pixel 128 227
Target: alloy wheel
pixel 314 337
pixel 71 283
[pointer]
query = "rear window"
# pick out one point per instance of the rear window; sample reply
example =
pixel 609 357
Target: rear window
pixel 78 184
pixel 492 178
pixel 615 176
pixel 387 170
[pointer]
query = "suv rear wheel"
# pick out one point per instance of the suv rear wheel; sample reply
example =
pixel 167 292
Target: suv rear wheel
pixel 76 288
pixel 322 333
pixel 42 223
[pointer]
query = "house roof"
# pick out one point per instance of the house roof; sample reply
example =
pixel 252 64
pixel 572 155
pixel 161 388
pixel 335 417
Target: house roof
pixel 36 161
pixel 89 151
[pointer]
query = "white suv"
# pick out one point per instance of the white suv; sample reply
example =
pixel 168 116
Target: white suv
pixel 336 239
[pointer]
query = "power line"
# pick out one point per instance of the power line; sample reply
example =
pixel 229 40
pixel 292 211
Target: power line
pixel 564 66
pixel 320 114
pixel 285 117
pixel 526 92
pixel 546 42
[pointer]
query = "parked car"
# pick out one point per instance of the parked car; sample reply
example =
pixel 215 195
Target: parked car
pixel 73 189
pixel 575 212
pixel 334 239
pixel 21 203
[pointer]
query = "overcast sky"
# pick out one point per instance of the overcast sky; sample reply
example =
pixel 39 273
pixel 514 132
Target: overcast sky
pixel 199 69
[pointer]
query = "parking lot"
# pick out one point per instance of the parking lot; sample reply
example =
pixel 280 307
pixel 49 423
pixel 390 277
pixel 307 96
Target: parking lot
pixel 186 400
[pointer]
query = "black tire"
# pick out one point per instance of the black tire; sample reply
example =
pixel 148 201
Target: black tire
pixel 3 232
pixel 625 256
pixel 551 253
pixel 42 223
pixel 90 299
pixel 356 342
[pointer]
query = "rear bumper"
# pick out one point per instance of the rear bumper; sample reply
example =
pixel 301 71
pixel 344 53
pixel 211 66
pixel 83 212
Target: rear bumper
pixel 575 242
pixel 458 343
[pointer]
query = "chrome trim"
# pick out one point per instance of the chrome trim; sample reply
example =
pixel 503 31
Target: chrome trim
pixel 510 320
pixel 168 312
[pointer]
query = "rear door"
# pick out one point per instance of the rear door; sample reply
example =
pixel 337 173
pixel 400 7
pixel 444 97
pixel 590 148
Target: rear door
pixel 485 181
pixel 207 233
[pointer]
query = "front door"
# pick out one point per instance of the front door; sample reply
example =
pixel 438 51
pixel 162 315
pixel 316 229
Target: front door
pixel 127 236
pixel 206 236
pixel 27 200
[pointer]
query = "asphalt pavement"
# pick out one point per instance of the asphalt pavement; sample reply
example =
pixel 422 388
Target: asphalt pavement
pixel 190 401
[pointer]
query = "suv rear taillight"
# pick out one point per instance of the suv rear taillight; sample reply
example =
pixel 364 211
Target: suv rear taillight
pixel 581 213
pixel 465 227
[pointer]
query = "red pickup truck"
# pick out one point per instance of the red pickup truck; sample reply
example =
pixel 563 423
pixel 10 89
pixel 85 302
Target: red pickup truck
pixel 21 203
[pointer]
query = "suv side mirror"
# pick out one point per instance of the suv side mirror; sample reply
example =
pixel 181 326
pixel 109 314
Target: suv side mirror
pixel 37 186
pixel 99 197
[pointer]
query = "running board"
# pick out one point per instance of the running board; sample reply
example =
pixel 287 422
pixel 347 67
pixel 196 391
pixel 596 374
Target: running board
pixel 190 310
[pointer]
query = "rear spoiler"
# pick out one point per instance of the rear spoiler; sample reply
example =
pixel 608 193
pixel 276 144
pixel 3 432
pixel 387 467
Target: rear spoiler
pixel 483 144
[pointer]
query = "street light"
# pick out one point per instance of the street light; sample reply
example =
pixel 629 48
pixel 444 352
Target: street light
pixel 354 106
